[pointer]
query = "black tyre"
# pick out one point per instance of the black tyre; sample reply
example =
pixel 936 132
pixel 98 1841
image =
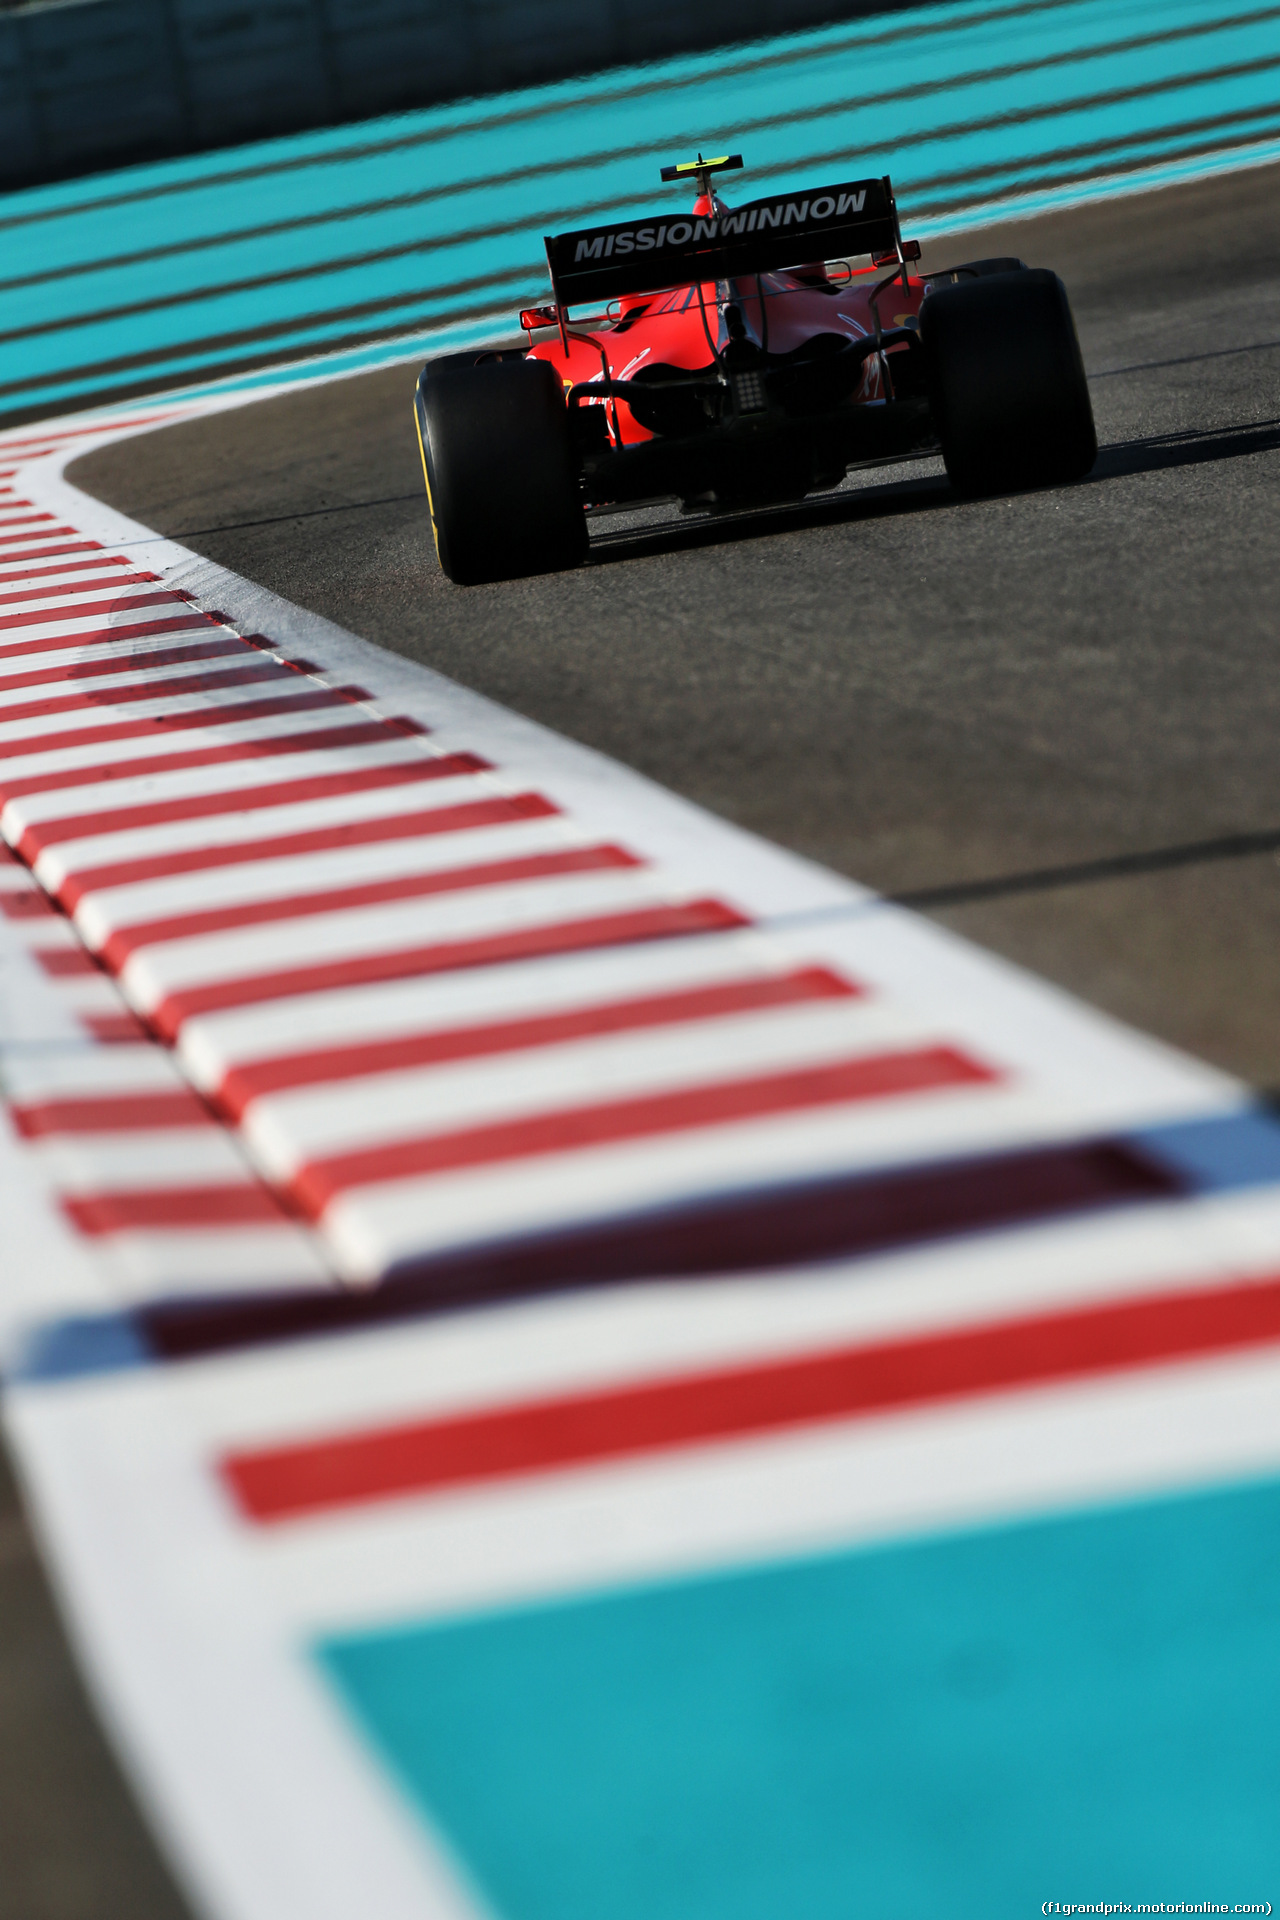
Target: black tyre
pixel 1006 382
pixel 500 470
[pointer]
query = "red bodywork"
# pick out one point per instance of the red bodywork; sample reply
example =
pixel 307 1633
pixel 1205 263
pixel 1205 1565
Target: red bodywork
pixel 782 312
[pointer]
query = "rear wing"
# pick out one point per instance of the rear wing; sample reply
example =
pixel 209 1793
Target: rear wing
pixel 639 256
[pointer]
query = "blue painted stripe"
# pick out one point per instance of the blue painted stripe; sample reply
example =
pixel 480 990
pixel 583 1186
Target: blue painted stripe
pixel 1080 1708
pixel 1219 1155
pixel 402 226
pixel 73 1348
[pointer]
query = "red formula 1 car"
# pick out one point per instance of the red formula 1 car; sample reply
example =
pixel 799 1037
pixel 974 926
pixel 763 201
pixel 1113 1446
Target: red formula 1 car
pixel 744 356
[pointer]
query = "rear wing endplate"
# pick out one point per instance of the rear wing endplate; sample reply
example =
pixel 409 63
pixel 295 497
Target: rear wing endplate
pixel 639 256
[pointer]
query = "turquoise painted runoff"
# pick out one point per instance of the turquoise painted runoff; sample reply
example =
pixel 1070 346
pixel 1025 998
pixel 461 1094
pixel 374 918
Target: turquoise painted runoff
pixel 351 240
pixel 1080 1708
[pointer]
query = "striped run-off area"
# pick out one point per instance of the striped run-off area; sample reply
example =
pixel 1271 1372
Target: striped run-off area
pixel 357 240
pixel 550 1290
pixel 480 1042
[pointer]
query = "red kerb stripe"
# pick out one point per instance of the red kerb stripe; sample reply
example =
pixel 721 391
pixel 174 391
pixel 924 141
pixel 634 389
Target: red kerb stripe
pixel 74 566
pixel 47 553
pixel 413 886
pixel 59 675
pixel 276 1483
pixel 15 539
pixel 97 636
pixel 158 1208
pixel 358 833
pixel 21 449
pixel 51 614
pixel 323 1064
pixel 64 963
pixel 26 906
pixel 358 733
pixel 177 687
pixel 122 1029
pixel 111 1113
pixel 24 520
pixel 574 936
pixel 575 1129
pixel 204 806
pixel 73 587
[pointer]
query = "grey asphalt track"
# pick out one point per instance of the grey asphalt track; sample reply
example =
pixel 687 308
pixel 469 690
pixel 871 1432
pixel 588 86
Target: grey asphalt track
pixel 72 1846
pixel 1052 721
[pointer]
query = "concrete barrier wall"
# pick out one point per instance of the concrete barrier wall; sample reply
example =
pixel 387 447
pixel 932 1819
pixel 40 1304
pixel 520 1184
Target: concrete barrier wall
pixel 97 83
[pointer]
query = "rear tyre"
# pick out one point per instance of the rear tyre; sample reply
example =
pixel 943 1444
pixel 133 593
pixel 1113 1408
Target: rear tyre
pixel 500 470
pixel 1006 382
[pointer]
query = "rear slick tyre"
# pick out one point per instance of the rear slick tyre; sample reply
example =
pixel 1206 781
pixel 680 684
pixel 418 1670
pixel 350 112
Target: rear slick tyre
pixel 501 477
pixel 1007 386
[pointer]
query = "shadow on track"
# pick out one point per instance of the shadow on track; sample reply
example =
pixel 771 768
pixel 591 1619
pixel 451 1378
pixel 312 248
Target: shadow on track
pixel 1120 866
pixel 1185 360
pixel 1187 448
pixel 823 510
pixel 306 513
